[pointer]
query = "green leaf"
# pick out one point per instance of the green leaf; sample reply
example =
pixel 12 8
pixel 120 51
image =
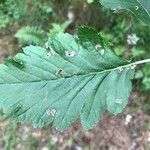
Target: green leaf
pixel 140 8
pixel 31 35
pixel 75 77
pixel 56 28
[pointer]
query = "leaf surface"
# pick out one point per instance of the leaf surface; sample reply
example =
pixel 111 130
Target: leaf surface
pixel 74 77
pixel 140 8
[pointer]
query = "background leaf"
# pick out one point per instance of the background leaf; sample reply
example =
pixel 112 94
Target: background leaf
pixel 31 35
pixel 140 8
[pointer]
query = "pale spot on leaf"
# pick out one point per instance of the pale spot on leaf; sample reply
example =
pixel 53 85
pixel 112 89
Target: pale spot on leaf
pixel 118 101
pixel 52 51
pixel 98 46
pixel 60 73
pixel 49 54
pixel 102 52
pixel 120 69
pixel 117 9
pixel 136 7
pixel 21 63
pixel 70 53
pixel 46 45
pixel 51 112
pixel 133 66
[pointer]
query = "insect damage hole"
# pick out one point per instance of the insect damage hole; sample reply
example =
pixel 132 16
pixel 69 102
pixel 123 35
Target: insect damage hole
pixel 51 112
pixel 100 49
pixel 51 52
pixel 70 53
pixel 60 73
pixel 120 69
pixel 133 66
pixel 46 45
pixel 98 46
pixel 102 52
pixel 118 101
pixel 136 7
pixel 117 9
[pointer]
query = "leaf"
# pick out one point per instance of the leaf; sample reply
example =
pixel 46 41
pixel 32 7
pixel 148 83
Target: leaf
pixel 56 28
pixel 31 35
pixel 140 8
pixel 76 77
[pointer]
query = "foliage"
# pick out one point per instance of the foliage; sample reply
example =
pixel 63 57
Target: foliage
pixel 146 75
pixel 56 28
pixel 11 11
pixel 4 20
pixel 140 8
pixel 34 35
pixel 20 11
pixel 144 72
pixel 68 79
pixel 73 78
pixel 31 35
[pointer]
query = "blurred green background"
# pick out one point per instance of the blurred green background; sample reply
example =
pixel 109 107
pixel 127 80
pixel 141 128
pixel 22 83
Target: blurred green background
pixel 24 22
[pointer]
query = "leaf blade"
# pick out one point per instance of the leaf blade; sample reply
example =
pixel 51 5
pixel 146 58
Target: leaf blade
pixel 70 79
pixel 140 8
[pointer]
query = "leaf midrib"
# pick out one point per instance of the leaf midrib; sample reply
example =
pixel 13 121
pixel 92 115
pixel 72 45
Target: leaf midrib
pixel 88 74
pixel 91 73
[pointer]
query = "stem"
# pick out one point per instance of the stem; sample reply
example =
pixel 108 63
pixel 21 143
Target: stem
pixel 134 63
pixel 141 62
pixel 124 66
pixel 128 65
